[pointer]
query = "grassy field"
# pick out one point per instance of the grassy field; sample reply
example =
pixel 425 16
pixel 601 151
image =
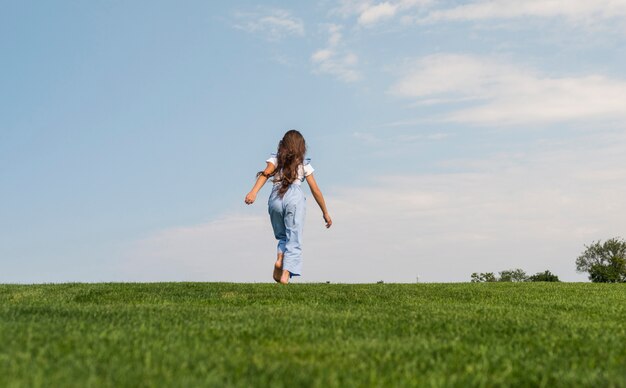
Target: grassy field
pixel 221 334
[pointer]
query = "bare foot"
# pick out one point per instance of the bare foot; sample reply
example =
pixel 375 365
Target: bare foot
pixel 278 268
pixel 284 279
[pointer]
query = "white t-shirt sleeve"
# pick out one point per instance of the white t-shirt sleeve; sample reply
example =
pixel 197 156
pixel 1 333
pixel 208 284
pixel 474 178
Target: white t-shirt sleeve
pixel 273 160
pixel 308 169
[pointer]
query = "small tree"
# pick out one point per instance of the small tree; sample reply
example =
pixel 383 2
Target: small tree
pixel 483 277
pixel 613 273
pixel 546 276
pixel 605 262
pixel 513 275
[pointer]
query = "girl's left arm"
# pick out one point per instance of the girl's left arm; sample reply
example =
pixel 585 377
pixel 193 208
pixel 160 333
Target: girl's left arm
pixel 319 198
pixel 260 181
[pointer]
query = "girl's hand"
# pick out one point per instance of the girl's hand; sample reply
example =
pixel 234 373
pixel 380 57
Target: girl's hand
pixel 328 220
pixel 260 181
pixel 250 198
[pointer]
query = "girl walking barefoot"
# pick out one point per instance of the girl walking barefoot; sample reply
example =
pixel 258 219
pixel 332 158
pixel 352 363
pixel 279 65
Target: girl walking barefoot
pixel 287 203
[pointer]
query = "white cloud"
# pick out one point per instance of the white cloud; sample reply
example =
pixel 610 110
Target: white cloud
pixel 208 251
pixel 365 137
pixel 322 55
pixel 334 38
pixel 503 93
pixel 572 10
pixel 348 8
pixel 274 24
pixel 370 13
pixel 377 12
pixel 397 139
pixel 530 210
pixel 334 60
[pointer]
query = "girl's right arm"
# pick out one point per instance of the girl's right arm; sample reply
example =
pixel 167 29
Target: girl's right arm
pixel 260 181
pixel 319 198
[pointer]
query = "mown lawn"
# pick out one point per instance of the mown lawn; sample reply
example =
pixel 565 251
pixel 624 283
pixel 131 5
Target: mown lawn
pixel 224 334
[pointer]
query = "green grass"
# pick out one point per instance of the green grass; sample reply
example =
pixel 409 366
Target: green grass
pixel 221 334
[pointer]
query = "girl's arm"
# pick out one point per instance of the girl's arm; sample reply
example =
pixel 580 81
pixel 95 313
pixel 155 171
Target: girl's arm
pixel 319 198
pixel 260 181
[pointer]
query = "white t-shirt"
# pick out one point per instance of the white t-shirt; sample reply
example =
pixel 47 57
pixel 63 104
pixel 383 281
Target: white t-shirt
pixel 304 170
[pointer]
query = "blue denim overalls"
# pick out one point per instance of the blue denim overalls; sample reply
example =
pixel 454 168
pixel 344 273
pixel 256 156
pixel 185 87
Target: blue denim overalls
pixel 287 217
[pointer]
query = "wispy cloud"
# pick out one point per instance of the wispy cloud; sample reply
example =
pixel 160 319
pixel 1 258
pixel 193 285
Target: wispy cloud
pixel 334 59
pixel 395 139
pixel 572 10
pixel 370 13
pixel 586 13
pixel 503 93
pixel 203 251
pixel 378 12
pixel 273 24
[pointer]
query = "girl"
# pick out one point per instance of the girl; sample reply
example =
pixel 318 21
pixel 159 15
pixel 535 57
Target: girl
pixel 287 203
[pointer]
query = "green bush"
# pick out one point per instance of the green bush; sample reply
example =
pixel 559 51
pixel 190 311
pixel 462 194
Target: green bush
pixel 605 262
pixel 546 276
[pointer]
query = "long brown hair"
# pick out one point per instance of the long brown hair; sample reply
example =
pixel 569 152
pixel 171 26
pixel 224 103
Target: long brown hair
pixel 290 155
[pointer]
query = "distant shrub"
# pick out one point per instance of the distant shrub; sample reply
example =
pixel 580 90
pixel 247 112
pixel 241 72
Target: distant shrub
pixel 513 275
pixel 546 276
pixel 483 277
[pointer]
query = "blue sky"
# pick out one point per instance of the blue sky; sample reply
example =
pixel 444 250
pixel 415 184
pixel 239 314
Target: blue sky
pixel 448 137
